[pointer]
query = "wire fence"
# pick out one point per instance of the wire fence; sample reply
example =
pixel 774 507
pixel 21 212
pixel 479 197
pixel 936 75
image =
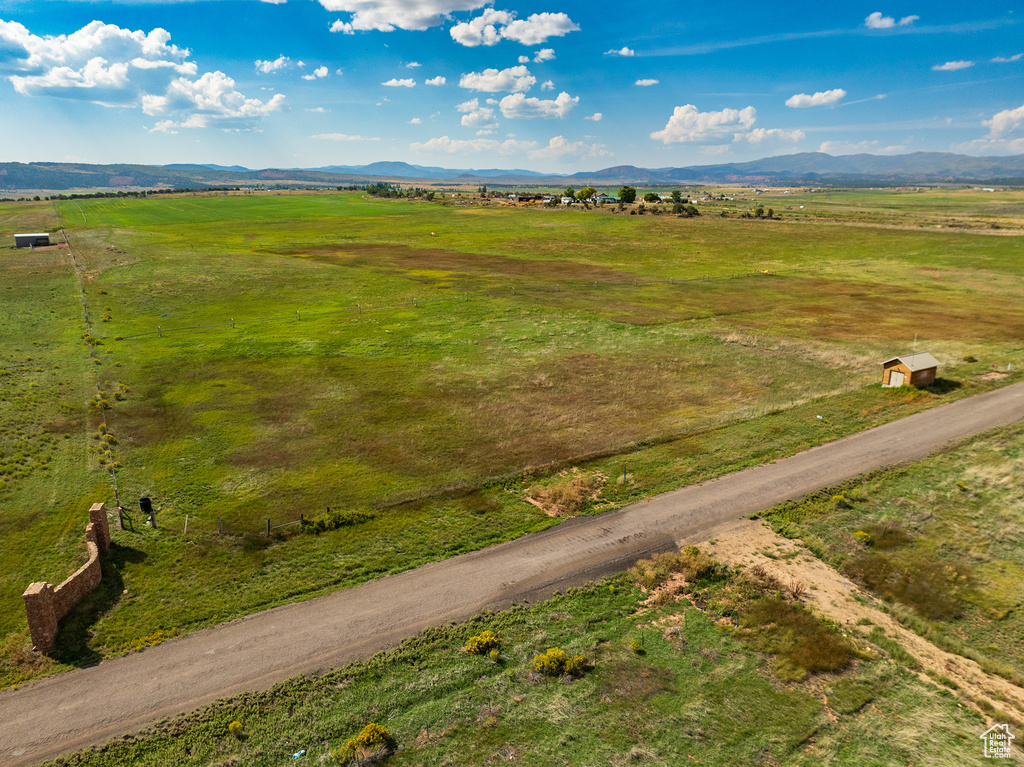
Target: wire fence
pixel 419 303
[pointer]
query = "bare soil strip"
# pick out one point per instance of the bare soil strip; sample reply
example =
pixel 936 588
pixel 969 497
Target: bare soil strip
pixel 744 543
pixel 91 705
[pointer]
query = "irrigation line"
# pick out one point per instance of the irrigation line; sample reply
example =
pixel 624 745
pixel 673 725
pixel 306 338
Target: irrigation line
pixel 490 292
pixel 111 470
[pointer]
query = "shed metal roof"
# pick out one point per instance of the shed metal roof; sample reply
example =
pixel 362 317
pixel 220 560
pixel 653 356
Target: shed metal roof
pixel 34 234
pixel 916 361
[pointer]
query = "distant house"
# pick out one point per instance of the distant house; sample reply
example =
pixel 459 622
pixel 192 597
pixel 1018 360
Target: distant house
pixel 31 240
pixel 606 198
pixel 916 369
pixel 568 200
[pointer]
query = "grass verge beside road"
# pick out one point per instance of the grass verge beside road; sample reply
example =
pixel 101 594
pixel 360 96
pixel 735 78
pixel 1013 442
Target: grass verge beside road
pixel 661 685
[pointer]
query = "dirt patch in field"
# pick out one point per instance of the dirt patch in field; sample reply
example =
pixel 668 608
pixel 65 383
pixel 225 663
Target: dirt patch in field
pixel 751 543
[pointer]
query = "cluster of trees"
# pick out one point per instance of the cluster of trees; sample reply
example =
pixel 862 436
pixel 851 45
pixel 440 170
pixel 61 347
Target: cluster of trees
pixel 140 193
pixel 384 189
pixel 759 212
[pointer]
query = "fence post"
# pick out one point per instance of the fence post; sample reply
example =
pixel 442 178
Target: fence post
pixel 220 527
pixel 268 528
pixel 159 332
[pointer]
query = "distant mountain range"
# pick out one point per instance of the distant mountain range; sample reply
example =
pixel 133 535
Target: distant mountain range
pixel 809 168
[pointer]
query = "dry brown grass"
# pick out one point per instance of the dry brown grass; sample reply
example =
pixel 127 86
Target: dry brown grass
pixel 568 494
pixel 692 563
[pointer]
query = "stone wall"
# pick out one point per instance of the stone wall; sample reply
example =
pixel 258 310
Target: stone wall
pixel 46 604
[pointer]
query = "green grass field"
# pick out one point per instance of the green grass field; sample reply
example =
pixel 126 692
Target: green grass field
pixel 430 363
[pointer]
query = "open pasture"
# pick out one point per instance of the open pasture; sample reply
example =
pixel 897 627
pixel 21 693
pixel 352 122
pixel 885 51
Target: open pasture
pixel 417 360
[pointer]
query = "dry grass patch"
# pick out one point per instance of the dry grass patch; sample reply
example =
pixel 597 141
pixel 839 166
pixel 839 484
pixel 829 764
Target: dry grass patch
pixel 569 494
pixel 692 563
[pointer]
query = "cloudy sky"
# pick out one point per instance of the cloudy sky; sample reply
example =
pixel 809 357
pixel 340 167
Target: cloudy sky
pixel 553 85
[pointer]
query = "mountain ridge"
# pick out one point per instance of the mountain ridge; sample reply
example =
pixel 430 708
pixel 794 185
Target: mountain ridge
pixel 807 168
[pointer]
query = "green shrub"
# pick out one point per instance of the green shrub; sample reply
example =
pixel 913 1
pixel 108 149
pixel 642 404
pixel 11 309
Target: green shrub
pixel 556 662
pixel 373 740
pixel 482 644
pixel 332 520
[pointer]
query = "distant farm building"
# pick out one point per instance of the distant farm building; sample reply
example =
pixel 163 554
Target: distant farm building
pixel 916 369
pixel 31 240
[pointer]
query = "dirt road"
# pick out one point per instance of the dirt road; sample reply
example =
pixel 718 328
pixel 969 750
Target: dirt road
pixel 91 705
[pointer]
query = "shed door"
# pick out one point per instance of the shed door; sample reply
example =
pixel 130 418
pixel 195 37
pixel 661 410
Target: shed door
pixel 896 378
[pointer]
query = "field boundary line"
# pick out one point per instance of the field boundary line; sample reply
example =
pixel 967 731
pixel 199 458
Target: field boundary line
pixel 89 339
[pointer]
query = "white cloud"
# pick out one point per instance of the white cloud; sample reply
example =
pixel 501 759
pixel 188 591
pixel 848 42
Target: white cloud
pixel 343 137
pixel 821 98
pixel 624 51
pixel 518 106
pixel 561 149
pixel 415 121
pixel 387 15
pixel 483 30
pixel 274 2
pixel 492 26
pixel 716 149
pixel 514 79
pixel 318 110
pixel 646 83
pixel 769 136
pixel 1007 59
pixel 952 66
pixel 547 85
pixel 211 96
pixel 877 21
pixel 394 82
pixel 596 117
pixel 445 145
pixel 538 27
pixel 111 66
pixel 266 67
pixel 524 59
pixel 689 124
pixel 439 80
pixel 342 26
pixel 1006 122
pixel 475 116
pixel 860 147
pixel 544 54
pixel 413 65
pixel 316 74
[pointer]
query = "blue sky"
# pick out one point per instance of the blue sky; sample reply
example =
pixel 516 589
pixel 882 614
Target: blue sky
pixel 555 85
